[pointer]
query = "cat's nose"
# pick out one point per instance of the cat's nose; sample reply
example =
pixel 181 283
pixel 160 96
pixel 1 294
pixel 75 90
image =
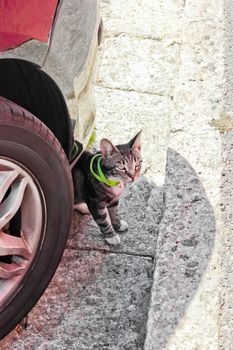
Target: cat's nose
pixel 131 177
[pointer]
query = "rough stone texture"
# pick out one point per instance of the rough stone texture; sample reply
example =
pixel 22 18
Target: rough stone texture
pixel 125 65
pixel 226 128
pixel 137 75
pixel 95 301
pixel 121 114
pixel 138 71
pixel 198 91
pixel 185 301
pixel 226 296
pixel 184 248
pixel 153 19
pixel 228 53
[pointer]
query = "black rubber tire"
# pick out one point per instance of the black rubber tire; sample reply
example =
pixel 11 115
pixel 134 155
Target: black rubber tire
pixel 28 86
pixel 27 141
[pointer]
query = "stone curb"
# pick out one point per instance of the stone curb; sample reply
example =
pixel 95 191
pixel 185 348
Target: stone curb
pixel 186 311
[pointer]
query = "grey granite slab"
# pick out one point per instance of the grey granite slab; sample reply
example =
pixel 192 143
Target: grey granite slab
pixel 95 301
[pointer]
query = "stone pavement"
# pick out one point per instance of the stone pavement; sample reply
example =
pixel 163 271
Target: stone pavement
pixel 165 67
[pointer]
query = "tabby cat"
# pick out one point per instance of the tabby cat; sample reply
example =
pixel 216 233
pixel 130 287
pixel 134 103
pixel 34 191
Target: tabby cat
pixel 99 181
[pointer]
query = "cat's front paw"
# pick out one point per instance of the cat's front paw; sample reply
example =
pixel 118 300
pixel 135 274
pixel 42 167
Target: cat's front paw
pixel 124 226
pixel 114 240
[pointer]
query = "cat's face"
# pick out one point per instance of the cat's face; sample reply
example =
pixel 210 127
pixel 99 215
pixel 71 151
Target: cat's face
pixel 122 162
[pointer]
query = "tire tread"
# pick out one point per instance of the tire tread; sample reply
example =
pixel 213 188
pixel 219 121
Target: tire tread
pixel 27 120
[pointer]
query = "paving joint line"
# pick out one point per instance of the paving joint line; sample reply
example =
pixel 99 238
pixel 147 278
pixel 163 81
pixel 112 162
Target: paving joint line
pixel 98 84
pixel 105 251
pixel 141 37
pixel 133 35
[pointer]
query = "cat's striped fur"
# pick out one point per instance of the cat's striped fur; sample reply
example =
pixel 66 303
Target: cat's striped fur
pixel 121 163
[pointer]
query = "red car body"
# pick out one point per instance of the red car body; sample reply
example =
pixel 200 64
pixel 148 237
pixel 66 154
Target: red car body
pixel 29 20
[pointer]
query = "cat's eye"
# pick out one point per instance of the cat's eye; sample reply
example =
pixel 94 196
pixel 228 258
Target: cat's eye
pixel 121 168
pixel 138 164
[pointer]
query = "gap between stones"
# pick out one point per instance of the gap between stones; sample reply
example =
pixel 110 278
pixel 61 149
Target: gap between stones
pixel 99 84
pixel 105 251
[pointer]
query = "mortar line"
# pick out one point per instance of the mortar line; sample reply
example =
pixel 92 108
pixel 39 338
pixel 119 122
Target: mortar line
pixel 115 34
pixel 104 251
pixel 98 84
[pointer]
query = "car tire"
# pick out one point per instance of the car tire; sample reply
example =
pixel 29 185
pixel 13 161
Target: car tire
pixel 30 155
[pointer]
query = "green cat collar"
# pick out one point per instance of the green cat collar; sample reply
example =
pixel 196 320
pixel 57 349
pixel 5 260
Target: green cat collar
pixel 100 176
pixel 75 151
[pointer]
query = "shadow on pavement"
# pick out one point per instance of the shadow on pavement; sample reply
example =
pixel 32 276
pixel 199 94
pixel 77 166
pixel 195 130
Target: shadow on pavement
pixel 99 299
pixel 141 207
pixel 99 296
pixel 185 242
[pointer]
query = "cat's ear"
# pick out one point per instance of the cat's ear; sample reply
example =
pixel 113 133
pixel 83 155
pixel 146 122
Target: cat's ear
pixel 107 148
pixel 135 143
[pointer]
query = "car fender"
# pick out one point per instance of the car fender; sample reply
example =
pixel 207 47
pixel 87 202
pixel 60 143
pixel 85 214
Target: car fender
pixel 71 48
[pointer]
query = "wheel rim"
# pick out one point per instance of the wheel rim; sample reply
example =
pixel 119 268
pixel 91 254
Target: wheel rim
pixel 22 225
